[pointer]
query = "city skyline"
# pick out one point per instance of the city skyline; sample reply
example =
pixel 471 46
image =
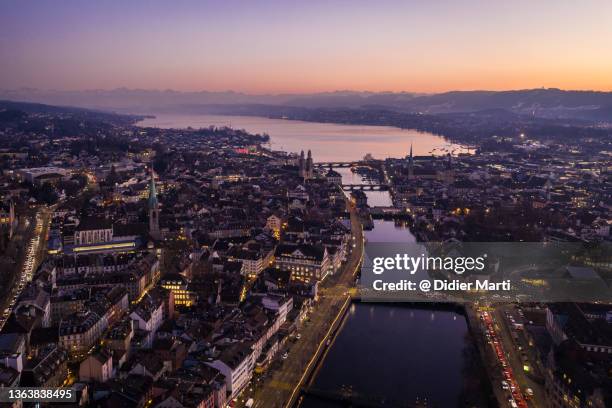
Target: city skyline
pixel 291 204
pixel 273 47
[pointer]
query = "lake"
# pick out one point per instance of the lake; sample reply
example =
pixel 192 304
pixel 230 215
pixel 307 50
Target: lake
pixel 328 141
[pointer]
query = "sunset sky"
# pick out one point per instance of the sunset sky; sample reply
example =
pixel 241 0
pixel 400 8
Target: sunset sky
pixel 306 46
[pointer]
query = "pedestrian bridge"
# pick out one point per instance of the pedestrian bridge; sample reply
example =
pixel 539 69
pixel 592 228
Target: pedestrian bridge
pixel 365 187
pixel 336 164
pixel 387 211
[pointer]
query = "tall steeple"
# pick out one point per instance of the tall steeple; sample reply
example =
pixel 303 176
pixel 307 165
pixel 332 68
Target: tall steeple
pixel 153 202
pixel 302 165
pixel 153 205
pixel 309 166
pixel 448 174
pixel 410 164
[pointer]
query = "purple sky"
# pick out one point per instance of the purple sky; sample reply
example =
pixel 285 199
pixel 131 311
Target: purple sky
pixel 306 46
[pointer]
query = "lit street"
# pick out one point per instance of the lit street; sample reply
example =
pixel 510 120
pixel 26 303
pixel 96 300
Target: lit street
pixel 32 255
pixel 279 384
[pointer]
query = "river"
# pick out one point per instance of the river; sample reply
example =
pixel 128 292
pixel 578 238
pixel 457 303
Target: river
pixel 405 354
pixel 401 353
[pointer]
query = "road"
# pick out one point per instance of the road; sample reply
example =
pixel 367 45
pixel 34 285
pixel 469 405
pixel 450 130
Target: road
pixel 511 384
pixel 515 395
pixel 281 384
pixel 33 253
pixel 515 355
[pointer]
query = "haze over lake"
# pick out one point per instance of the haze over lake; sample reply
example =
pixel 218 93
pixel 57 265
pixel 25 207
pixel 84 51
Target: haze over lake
pixel 328 141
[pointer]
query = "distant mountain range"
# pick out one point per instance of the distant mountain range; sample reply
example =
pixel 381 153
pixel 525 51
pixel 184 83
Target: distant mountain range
pixel 467 127
pixel 542 103
pixel 546 103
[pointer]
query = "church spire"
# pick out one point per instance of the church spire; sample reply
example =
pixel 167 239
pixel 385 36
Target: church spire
pixel 309 166
pixel 410 164
pixel 153 208
pixel 302 164
pixel 153 202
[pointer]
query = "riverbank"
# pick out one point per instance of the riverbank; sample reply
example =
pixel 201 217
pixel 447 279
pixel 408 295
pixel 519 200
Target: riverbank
pixel 280 387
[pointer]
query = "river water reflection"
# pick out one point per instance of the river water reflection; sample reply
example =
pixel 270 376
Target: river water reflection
pixel 403 354
pixel 399 353
pixel 391 351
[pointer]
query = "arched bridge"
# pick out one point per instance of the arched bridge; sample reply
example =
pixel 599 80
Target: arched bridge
pixel 365 187
pixel 336 164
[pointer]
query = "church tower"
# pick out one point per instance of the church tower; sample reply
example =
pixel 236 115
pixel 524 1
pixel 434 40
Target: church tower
pixel 309 166
pixel 448 172
pixel 410 164
pixel 302 164
pixel 153 204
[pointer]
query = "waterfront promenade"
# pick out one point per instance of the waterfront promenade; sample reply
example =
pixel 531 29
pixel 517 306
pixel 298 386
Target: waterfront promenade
pixel 280 387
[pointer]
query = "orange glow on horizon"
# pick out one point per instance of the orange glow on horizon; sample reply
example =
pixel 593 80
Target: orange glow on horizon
pixel 306 47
